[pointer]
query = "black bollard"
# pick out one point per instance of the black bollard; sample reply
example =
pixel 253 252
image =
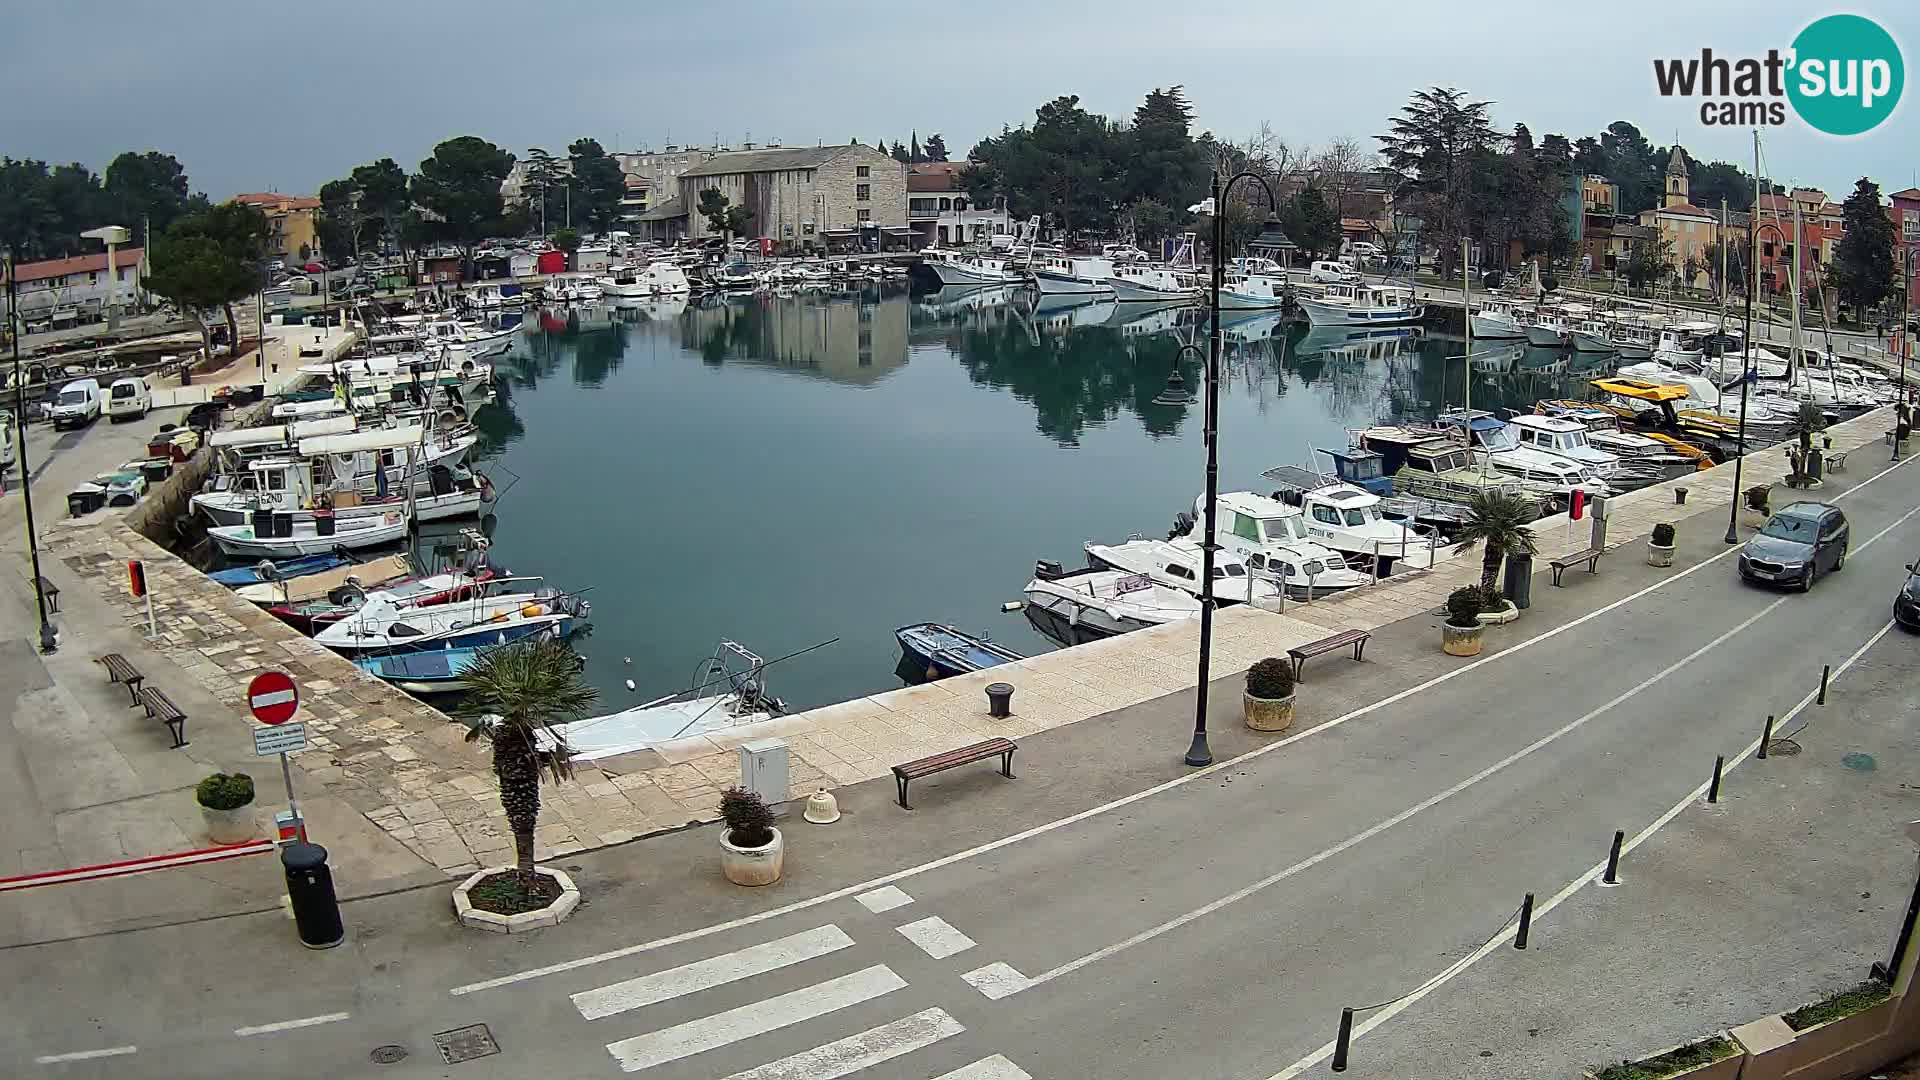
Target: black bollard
pixel 1613 860
pixel 1826 672
pixel 1341 1040
pixel 1713 789
pixel 1766 736
pixel 999 700
pixel 1526 922
pixel 316 911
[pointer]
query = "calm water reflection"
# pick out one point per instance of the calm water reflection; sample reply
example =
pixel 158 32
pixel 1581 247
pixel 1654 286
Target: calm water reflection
pixel 784 470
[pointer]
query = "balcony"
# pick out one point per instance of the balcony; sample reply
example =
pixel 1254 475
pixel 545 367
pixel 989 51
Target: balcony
pixel 924 215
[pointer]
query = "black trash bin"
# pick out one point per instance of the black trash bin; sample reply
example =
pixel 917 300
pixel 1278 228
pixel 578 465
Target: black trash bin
pixel 156 470
pixel 1518 584
pixel 262 523
pixel 316 911
pixel 323 522
pixel 282 524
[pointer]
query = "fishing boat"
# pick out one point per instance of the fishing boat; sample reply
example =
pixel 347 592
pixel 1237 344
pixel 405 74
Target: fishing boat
pixel 1074 275
pixel 1271 538
pixel 1552 435
pixel 1077 606
pixel 657 278
pixel 303 587
pixel 313 614
pixel 1497 446
pixel 1176 564
pixel 1143 283
pixel 941 651
pixel 1548 329
pixel 1497 320
pixel 503 609
pixel 351 475
pixel 493 295
pixel 1351 303
pixel 434 671
pixel 730 690
pixel 967 268
pixel 268 570
pixel 276 536
pixel 1592 336
pixel 572 288
pixel 1252 292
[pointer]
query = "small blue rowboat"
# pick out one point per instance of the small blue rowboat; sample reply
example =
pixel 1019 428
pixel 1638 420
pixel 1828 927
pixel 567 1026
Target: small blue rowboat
pixel 435 671
pixel 268 570
pixel 940 650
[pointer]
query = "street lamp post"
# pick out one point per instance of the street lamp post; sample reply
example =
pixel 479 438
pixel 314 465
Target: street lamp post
pixel 49 641
pixel 1198 753
pixel 1746 370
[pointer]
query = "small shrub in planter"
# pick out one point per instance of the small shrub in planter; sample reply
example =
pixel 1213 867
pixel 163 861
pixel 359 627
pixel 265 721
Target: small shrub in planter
pixel 1663 534
pixel 1268 703
pixel 1675 1062
pixel 751 849
pixel 226 801
pixel 1460 634
pixel 1660 546
pixel 1757 497
pixel 1839 1006
pixel 748 820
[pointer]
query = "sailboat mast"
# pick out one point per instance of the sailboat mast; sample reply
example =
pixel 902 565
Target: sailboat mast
pixel 1793 282
pixel 1466 313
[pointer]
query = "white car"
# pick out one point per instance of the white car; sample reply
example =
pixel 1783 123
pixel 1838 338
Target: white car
pixel 1326 271
pixel 78 404
pixel 130 397
pixel 1360 249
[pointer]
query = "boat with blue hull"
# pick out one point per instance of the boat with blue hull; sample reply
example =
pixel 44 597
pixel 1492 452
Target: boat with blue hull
pixel 437 671
pixel 279 570
pixel 940 651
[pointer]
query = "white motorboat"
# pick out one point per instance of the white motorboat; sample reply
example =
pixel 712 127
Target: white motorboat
pixel 1271 538
pixel 500 610
pixel 657 278
pixel 317 586
pixel 1681 345
pixel 1143 283
pixel 310 537
pixel 1548 329
pixel 1252 292
pixel 1567 438
pixel 1076 606
pixel 479 342
pixel 1356 303
pixel 1347 519
pixel 494 296
pixel 1496 444
pixel 967 268
pixel 1177 563
pixel 572 288
pixel 729 691
pixel 1497 320
pixel 1074 275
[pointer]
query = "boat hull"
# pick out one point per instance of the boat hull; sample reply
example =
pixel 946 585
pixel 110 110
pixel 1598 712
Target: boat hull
pixel 955 274
pixel 1591 343
pixel 455 504
pixel 1325 314
pixel 239 541
pixel 1060 285
pixel 1128 293
pixel 1232 301
pixel 1546 337
pixel 940 652
pixel 1485 329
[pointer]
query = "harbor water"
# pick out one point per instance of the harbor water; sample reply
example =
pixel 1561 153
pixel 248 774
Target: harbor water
pixel 784 470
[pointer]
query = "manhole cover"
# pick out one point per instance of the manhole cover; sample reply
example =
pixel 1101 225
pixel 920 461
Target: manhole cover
pixel 465 1044
pixel 387 1055
pixel 1783 747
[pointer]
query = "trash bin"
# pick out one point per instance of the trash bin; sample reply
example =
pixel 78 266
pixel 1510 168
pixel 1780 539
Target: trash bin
pixel 1815 465
pixel 262 522
pixel 323 522
pixel 1518 584
pixel 282 524
pixel 316 911
pixel 156 471
pixel 999 700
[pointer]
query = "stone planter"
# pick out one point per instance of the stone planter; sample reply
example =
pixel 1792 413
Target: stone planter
pixel 1268 714
pixel 1460 640
pixel 1727 1068
pixel 1505 615
pixel 551 915
pixel 752 866
pixel 1658 555
pixel 1751 518
pixel 234 826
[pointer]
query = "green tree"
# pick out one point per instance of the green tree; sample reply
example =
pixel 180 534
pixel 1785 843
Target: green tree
pixel 1635 166
pixel 914 156
pixel 936 148
pixel 1158 155
pixel 567 240
pixel 1434 145
pixel 713 206
pixel 1498 520
pixel 1064 168
pixel 900 152
pixel 598 184
pixel 738 219
pixel 460 185
pixel 1152 221
pixel 24 209
pixel 516 696
pixel 543 189
pixel 1863 263
pixel 146 191
pixel 1310 222
pixel 1720 180
pixel 384 200
pixel 340 222
pixel 210 260
pixel 1649 260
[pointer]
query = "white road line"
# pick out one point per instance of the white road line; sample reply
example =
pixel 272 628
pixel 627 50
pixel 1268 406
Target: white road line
pixel 1382 826
pixel 936 937
pixel 846 1056
pixel 289 1025
pixel 757 1018
pixel 997 980
pixel 1107 807
pixel 84 1055
pixel 714 971
pixel 1593 872
pixel 884 899
pixel 991 1068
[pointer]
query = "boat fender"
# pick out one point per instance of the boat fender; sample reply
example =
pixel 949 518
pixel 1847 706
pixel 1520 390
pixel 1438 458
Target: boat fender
pixel 532 611
pixel 630 685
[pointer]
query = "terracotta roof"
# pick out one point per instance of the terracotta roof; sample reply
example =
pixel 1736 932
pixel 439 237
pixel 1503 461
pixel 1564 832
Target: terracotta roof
pixel 1684 209
pixel 1355 224
pixel 78 264
pixel 273 200
pixel 1910 193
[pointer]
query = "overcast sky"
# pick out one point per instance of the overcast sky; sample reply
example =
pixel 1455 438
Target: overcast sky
pixel 284 96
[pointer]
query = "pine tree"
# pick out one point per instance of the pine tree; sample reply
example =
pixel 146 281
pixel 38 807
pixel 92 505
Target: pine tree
pixel 1863 264
pixel 914 156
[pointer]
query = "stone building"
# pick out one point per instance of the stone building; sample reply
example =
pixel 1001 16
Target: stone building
pixel 1689 229
pixel 290 232
pixel 812 196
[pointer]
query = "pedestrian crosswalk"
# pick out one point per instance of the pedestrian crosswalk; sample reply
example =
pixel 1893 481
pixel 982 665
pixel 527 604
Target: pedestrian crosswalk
pixel 842 1056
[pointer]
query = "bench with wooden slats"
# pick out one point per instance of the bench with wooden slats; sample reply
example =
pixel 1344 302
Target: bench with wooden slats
pixel 161 708
pixel 1300 654
pixel 1590 556
pixel 121 671
pixel 951 759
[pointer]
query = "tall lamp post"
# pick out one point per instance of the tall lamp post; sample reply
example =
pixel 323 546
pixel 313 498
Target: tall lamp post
pixel 1901 407
pixel 49 641
pixel 1199 753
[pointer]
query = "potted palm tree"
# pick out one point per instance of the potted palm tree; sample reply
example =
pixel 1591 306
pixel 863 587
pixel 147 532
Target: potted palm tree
pixel 1460 634
pixel 1498 520
pixel 1660 545
pixel 1269 695
pixel 515 695
pixel 226 804
pixel 752 851
pixel 1753 506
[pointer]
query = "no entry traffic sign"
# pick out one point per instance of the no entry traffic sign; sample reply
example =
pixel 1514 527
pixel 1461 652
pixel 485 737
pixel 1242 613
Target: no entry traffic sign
pixel 272 697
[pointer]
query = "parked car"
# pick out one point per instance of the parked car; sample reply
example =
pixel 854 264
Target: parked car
pixel 1906 602
pixel 1327 270
pixel 1361 249
pixel 77 405
pixel 1798 542
pixel 130 397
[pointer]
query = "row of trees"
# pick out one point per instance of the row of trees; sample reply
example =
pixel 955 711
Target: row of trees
pixel 911 152
pixel 43 209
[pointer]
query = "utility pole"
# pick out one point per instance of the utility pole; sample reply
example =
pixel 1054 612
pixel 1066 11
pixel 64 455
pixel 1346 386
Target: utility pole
pixel 48 639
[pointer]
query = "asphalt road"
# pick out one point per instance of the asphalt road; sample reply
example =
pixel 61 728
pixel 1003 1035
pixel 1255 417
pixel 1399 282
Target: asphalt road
pixel 1210 928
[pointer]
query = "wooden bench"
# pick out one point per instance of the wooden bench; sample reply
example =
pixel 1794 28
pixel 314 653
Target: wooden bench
pixel 1302 653
pixel 52 592
pixel 120 671
pixel 161 708
pixel 980 751
pixel 1591 557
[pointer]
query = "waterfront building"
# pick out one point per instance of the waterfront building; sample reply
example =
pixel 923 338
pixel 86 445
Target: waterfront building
pixel 940 211
pixel 665 222
pixel 290 235
pixel 1905 210
pixel 1688 229
pixel 67 292
pixel 810 196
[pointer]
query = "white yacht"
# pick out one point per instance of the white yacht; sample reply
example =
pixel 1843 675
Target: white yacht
pixel 1076 606
pixel 1347 519
pixel 1074 275
pixel 1176 564
pixel 1271 537
pixel 1356 303
pixel 1567 438
pixel 1495 443
pixel 1143 283
pixel 657 278
pixel 1497 320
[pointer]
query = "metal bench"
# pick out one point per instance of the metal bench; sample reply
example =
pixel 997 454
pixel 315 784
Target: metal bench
pixel 1591 557
pixel 927 766
pixel 161 708
pixel 52 592
pixel 120 671
pixel 1837 460
pixel 1300 654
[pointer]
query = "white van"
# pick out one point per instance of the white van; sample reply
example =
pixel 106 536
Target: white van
pixel 1328 271
pixel 128 397
pixel 78 404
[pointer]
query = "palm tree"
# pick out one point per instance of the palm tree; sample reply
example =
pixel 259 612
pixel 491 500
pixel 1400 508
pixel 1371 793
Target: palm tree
pixel 1499 519
pixel 513 692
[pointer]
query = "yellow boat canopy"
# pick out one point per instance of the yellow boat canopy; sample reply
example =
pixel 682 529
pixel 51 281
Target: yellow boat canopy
pixel 1641 389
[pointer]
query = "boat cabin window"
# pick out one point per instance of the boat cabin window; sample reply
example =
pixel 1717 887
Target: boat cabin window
pixel 1281 528
pixel 1231 570
pixel 1312 567
pixel 1356 517
pixel 1244 527
pixel 276 481
pixel 1326 514
pixel 1176 570
pixel 401 629
pixel 1257 561
pixel 1364 468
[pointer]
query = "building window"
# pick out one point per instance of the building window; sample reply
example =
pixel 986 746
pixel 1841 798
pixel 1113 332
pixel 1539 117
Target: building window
pixel 863 170
pixel 862 192
pixel 865 215
pixel 946 204
pixel 1910 224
